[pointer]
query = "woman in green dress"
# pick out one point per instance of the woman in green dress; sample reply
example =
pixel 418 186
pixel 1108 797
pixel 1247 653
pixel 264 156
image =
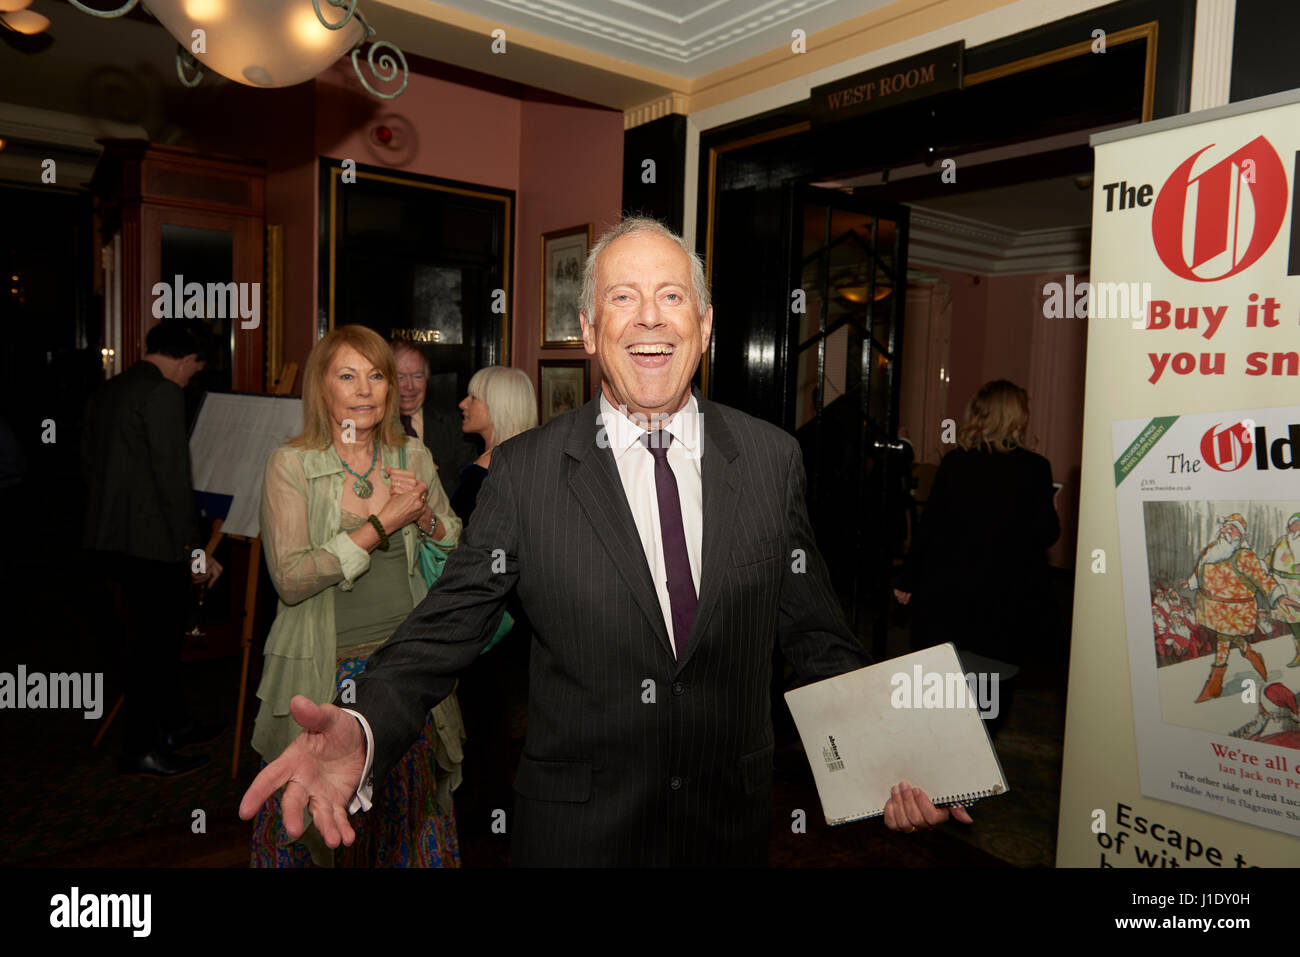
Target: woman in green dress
pixel 345 505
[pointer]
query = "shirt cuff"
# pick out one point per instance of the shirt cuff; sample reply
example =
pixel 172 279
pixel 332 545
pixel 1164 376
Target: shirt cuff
pixel 365 787
pixel 353 559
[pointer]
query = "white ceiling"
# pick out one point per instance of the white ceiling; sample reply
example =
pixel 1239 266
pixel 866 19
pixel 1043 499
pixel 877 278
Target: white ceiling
pixel 1023 207
pixel 688 38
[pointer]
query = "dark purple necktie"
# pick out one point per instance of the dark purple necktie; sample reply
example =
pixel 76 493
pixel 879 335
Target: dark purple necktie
pixel 408 425
pixel 681 586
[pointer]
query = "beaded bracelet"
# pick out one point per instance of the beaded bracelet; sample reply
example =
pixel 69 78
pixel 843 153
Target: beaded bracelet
pixel 379 527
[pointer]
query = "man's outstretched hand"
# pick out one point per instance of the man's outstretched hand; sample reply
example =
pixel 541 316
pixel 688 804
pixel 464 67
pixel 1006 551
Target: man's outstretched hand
pixel 319 771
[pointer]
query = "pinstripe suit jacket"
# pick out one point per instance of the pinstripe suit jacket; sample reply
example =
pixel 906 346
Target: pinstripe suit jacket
pixel 632 756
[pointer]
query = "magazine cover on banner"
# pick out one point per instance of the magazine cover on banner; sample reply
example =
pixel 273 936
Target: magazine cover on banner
pixel 1182 744
pixel 1210 528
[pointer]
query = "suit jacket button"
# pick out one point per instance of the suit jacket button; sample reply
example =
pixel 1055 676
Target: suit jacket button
pixel 675 783
pixel 679 688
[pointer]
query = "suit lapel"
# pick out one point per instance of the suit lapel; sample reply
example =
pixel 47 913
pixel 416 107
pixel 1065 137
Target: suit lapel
pixel 595 481
pixel 720 482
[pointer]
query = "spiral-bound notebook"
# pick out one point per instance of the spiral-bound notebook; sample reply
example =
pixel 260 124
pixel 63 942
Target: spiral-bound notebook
pixel 914 718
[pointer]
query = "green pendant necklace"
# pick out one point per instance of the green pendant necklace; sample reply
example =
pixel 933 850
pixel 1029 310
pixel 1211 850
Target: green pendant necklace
pixel 363 486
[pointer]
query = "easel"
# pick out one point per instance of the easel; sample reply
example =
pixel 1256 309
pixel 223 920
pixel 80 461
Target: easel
pixel 283 387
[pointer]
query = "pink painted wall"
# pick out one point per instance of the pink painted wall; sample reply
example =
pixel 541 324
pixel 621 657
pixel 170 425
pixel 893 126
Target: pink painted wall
pixel 969 314
pixel 1012 310
pixel 570 173
pixel 563 162
pixel 440 129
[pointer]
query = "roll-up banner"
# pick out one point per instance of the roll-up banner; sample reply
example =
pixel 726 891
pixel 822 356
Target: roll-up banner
pixel 1182 745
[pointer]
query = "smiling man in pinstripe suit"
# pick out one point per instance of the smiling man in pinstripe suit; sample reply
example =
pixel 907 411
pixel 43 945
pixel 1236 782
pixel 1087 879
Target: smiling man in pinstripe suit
pixel 660 545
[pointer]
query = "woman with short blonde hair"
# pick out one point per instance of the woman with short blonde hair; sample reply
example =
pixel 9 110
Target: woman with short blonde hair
pixel 501 403
pixel 510 399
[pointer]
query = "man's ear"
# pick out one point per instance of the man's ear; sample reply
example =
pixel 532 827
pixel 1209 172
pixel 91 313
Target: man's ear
pixel 588 334
pixel 706 329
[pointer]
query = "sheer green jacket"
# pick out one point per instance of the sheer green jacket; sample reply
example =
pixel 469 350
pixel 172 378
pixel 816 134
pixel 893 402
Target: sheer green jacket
pixel 309 557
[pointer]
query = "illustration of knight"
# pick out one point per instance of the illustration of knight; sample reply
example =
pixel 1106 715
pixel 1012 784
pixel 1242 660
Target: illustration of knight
pixel 1228 576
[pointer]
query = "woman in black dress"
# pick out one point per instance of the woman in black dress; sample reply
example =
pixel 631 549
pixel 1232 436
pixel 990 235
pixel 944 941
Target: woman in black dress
pixel 977 565
pixel 501 403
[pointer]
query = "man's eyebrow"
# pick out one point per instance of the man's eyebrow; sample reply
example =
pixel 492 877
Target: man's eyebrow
pixel 633 284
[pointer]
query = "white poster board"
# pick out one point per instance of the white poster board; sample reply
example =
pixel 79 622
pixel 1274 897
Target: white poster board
pixel 1193 329
pixel 232 438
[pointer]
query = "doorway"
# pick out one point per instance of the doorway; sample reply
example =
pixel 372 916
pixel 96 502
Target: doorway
pixel 1023 115
pixel 848 275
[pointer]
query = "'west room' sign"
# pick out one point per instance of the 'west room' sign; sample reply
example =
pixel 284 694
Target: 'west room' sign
pixel 935 71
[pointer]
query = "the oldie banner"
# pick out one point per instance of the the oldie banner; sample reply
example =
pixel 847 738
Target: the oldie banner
pixel 1182 725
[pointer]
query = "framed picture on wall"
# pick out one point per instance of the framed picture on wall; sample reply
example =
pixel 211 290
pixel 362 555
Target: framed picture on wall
pixel 564 253
pixel 561 386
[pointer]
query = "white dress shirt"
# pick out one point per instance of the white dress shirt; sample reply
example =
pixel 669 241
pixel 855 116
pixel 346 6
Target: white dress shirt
pixel 636 469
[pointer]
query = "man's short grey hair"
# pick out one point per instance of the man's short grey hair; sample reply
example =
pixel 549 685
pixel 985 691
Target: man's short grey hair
pixel 639 224
pixel 400 345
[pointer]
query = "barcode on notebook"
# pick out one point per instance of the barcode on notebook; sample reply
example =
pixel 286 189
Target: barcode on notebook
pixel 835 766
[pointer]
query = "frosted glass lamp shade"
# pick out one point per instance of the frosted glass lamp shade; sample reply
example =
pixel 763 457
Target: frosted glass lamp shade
pixel 266 43
pixel 25 21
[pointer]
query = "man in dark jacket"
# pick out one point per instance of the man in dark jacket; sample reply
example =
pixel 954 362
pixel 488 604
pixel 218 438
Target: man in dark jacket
pixel 433 420
pixel 660 545
pixel 142 532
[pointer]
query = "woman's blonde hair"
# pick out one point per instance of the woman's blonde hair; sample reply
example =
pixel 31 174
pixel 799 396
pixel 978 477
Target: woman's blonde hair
pixel 510 399
pixel 996 418
pixel 316 430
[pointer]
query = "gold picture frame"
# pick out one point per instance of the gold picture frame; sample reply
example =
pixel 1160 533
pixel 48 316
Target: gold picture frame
pixel 562 385
pixel 564 255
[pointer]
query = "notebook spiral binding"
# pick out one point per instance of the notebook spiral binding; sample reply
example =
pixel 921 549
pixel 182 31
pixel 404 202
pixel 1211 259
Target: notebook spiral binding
pixel 965 799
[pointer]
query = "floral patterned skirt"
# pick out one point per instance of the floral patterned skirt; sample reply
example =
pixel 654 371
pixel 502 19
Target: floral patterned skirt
pixel 407 826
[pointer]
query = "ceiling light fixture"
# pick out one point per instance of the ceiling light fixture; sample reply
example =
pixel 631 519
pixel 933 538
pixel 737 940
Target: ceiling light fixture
pixel 857 294
pixel 270 43
pixel 15 16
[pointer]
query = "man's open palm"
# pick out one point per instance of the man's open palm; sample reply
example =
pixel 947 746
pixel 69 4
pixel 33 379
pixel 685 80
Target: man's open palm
pixel 319 771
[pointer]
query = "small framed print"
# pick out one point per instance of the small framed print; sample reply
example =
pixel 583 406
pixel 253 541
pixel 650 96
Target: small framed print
pixel 561 386
pixel 564 256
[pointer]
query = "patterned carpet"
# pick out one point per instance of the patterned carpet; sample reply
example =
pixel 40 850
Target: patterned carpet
pixel 69 806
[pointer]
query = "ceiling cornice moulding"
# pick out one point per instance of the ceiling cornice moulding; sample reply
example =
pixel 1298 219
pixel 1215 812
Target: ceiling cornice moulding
pixel 948 241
